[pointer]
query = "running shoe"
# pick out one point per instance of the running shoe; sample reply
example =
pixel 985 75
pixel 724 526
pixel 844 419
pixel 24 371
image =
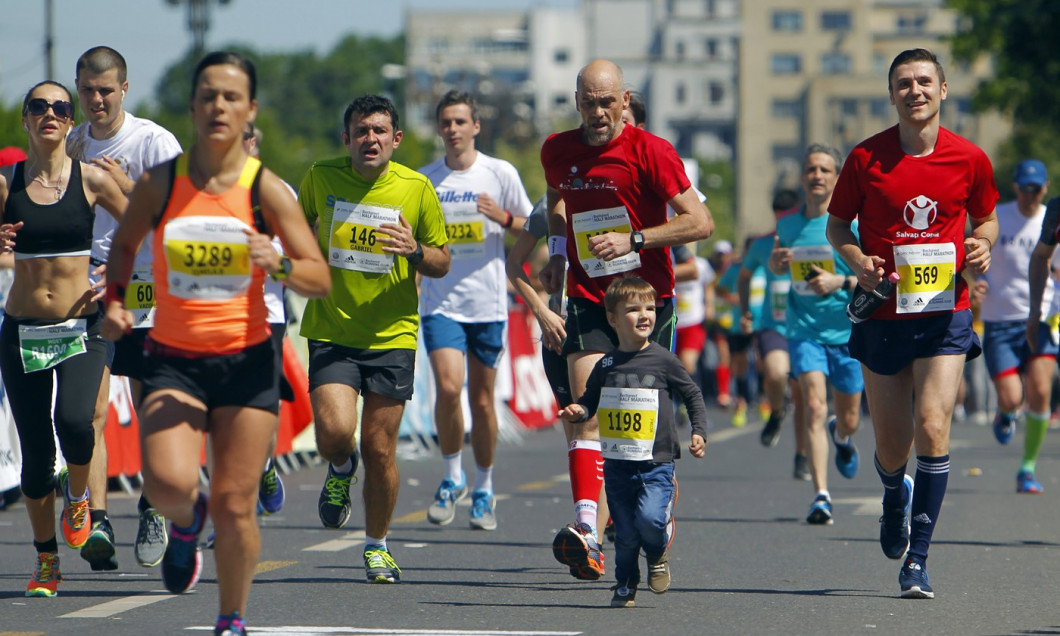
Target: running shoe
pixel 99 549
pixel 820 512
pixel 151 538
pixel 380 567
pixel 802 468
pixel 334 505
pixel 182 563
pixel 1027 484
pixel 739 417
pixel 623 596
pixel 270 491
pixel 771 431
pixel 76 521
pixel 846 455
pixel 894 525
pixel 764 411
pixel 482 505
pixel 232 625
pixel 46 576
pixel 1004 427
pixel 576 546
pixel 659 574
pixel 442 511
pixel 913 579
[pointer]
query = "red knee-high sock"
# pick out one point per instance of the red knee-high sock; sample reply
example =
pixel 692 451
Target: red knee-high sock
pixel 586 478
pixel 724 381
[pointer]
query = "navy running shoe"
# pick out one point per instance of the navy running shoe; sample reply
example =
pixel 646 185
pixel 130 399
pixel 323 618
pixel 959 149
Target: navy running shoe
pixel 270 490
pixel 846 455
pixel 182 563
pixel 894 524
pixel 913 579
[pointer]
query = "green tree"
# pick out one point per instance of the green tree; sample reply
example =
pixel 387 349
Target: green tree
pixel 1026 80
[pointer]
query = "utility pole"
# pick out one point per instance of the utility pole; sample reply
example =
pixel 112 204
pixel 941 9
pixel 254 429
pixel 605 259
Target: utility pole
pixel 49 39
pixel 198 22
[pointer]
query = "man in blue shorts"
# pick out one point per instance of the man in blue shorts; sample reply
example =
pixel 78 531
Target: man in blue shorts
pixel 465 313
pixel 818 328
pixel 913 188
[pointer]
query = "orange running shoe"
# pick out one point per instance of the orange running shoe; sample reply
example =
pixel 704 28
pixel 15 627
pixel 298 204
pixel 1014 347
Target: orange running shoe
pixel 46 577
pixel 75 518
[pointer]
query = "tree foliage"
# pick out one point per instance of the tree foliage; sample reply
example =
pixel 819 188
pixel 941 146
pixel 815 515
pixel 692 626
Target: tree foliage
pixel 1025 85
pixel 301 99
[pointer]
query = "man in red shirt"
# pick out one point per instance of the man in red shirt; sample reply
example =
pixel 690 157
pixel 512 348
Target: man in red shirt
pixel 912 187
pixel 614 182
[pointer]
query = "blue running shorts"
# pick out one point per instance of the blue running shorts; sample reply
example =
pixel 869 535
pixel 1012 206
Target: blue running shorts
pixel 834 361
pixel 888 346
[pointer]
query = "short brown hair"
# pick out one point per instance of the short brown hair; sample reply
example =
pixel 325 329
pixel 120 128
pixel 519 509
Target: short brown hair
pixel 626 289
pixel 915 55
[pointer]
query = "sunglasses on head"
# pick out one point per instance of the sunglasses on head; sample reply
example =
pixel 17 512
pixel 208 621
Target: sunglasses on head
pixel 38 106
pixel 1031 188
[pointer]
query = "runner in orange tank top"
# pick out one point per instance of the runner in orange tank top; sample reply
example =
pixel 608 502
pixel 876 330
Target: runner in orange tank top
pixel 210 364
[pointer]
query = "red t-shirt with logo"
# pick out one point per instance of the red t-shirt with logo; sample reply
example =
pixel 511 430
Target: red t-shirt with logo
pixel 636 171
pixel 902 200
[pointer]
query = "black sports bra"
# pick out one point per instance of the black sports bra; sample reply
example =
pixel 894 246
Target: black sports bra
pixel 63 228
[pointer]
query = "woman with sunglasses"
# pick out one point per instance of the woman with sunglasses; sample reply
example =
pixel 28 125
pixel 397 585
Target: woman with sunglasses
pixel 210 366
pixel 50 333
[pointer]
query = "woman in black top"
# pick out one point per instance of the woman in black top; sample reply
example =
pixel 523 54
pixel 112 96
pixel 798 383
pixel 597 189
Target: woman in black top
pixel 50 332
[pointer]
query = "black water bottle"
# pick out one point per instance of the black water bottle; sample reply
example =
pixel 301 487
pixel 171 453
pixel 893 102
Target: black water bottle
pixel 864 303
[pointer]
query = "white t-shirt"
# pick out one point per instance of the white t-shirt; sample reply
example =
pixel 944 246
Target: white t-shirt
pixel 1008 297
pixel 691 303
pixel 139 145
pixel 474 289
pixel 273 288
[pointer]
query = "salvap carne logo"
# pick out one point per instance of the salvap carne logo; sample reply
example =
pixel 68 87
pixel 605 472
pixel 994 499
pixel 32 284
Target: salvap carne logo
pixel 920 212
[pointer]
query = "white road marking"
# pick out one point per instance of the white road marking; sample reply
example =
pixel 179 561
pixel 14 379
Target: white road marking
pixel 310 631
pixel 110 608
pixel 348 540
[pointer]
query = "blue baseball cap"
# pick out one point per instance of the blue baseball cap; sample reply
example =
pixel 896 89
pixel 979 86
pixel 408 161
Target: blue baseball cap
pixel 1031 172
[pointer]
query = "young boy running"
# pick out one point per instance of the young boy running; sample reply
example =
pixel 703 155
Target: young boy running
pixel 630 391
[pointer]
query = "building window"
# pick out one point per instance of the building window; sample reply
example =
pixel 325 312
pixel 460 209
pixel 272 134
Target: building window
pixel 836 64
pixel 786 64
pixel 560 56
pixel 911 23
pixel 787 20
pixel 679 94
pixel 560 100
pixel 679 49
pixel 787 152
pixel 880 108
pixel 787 109
pixel 717 92
pixel 835 21
pixel 710 45
pixel 848 107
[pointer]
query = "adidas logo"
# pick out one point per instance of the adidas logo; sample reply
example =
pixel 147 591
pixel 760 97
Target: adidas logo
pixel 351 259
pixel 919 302
pixel 923 518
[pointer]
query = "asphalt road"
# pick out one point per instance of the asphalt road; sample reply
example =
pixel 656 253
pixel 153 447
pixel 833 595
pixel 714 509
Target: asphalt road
pixel 744 561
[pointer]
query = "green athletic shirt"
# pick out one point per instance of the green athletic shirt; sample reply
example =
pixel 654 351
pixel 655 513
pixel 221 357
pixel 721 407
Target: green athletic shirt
pixel 368 310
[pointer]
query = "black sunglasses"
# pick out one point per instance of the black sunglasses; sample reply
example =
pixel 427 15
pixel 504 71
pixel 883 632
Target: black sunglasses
pixel 1031 188
pixel 38 106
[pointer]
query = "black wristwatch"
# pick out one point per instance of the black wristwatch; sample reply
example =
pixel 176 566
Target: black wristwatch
pixel 416 257
pixel 636 240
pixel 284 271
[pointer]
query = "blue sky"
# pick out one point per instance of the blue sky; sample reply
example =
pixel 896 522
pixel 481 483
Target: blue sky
pixel 151 34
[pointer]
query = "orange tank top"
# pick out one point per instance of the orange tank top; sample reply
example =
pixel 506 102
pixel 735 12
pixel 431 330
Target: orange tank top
pixel 209 297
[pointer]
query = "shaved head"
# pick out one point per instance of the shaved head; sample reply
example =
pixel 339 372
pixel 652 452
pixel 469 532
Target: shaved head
pixel 599 72
pixel 601 98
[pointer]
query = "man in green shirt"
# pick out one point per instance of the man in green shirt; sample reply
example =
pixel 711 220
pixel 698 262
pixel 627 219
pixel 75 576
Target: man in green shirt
pixel 378 223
